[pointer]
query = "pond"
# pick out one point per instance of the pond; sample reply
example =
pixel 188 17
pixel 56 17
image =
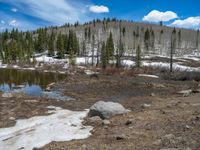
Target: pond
pixel 33 83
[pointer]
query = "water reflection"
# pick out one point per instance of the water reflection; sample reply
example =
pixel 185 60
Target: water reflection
pixel 32 83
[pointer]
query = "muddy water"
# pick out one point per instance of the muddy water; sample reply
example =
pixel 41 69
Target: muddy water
pixel 32 83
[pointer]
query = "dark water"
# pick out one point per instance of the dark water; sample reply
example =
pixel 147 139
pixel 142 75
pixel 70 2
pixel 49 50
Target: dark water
pixel 32 83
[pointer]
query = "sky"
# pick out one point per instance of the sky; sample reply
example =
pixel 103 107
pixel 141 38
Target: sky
pixel 32 14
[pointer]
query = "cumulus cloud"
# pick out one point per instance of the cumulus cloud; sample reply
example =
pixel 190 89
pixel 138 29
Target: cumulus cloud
pixel 13 23
pixel 191 22
pixel 14 9
pixel 99 9
pixel 156 16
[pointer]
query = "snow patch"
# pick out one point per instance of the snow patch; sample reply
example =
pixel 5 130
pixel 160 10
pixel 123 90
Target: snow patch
pixel 148 75
pixel 36 132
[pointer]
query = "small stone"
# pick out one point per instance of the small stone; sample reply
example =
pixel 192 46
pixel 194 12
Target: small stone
pixel 153 94
pixel 7 95
pixel 96 120
pixel 187 127
pixel 106 122
pixel 11 118
pixel 84 146
pixel 129 121
pixel 120 136
pixel 185 93
pixel 146 105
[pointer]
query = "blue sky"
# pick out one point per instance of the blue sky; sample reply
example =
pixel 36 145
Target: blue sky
pixel 31 14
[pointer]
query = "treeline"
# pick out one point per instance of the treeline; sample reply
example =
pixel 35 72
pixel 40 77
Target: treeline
pixel 106 47
pixel 21 46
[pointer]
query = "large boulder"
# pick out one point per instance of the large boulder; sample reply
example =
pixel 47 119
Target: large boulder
pixel 106 110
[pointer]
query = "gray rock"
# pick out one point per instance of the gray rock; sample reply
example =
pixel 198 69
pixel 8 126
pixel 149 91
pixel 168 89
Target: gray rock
pixel 185 93
pixel 106 110
pixel 146 105
pixel 96 120
pixel 106 122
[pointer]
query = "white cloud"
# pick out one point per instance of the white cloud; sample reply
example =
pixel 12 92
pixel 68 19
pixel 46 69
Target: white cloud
pixel 13 23
pixel 14 10
pixel 156 16
pixel 99 9
pixel 191 22
pixel 54 11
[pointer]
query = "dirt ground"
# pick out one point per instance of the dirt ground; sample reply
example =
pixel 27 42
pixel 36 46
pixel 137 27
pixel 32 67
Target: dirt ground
pixel 161 118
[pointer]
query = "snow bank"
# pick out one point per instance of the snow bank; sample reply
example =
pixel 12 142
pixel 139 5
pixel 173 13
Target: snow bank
pixel 62 125
pixel 176 66
pixel 50 60
pixel 167 66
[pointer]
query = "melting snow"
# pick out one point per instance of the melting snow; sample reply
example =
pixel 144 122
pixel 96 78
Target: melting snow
pixel 148 75
pixel 62 125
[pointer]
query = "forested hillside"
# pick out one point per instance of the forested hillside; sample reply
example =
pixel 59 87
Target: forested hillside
pixel 111 38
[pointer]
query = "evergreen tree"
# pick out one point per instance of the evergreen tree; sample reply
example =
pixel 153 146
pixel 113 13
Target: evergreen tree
pixel 60 46
pixel 152 39
pixel 179 39
pixel 138 62
pixel 109 48
pixel 197 39
pixel 103 56
pixel 147 40
pixel 51 44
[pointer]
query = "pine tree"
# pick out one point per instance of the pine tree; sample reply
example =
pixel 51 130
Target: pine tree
pixel 152 39
pixel 138 62
pixel 109 48
pixel 197 39
pixel 60 46
pixel 51 44
pixel 103 56
pixel 147 39
pixel 179 39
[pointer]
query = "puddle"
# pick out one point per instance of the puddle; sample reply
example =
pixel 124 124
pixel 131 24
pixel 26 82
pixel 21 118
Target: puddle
pixel 31 83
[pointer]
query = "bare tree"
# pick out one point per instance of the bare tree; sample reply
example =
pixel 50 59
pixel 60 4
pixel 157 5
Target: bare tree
pixel 173 47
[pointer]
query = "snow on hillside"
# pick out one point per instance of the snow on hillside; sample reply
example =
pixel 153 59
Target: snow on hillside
pixel 43 58
pixel 36 132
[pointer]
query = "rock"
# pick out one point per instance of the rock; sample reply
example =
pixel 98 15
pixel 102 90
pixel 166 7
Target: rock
pixel 7 95
pixel 146 105
pixel 105 110
pixel 120 136
pixel 129 121
pixel 11 118
pixel 153 94
pixel 159 85
pixel 106 122
pixel 49 86
pixel 96 120
pixel 185 93
pixel 84 146
pixel 187 127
